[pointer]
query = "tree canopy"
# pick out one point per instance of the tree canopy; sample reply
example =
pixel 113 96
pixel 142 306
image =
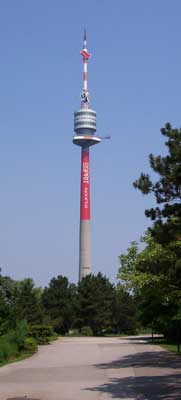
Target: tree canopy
pixel 167 191
pixel 153 274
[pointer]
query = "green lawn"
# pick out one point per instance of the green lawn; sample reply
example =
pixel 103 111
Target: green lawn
pixel 171 347
pixel 168 346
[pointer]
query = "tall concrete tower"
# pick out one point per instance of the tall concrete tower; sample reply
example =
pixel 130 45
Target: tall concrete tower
pixel 85 128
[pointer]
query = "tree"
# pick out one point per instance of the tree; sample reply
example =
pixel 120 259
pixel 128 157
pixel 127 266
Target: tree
pixel 166 228
pixel 144 274
pixel 58 300
pixel 125 319
pixel 28 302
pixel 95 303
pixel 7 303
pixel 166 216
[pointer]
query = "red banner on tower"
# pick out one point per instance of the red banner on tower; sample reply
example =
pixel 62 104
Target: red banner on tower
pixel 85 186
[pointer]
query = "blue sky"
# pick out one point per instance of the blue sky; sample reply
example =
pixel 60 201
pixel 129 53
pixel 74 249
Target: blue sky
pixel 135 86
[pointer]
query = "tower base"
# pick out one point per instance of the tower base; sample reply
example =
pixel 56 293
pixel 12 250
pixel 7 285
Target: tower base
pixel 84 250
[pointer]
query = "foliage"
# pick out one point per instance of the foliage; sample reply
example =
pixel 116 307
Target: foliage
pixel 86 331
pixel 166 229
pixel 167 188
pixel 19 334
pixel 11 349
pixel 13 343
pixel 154 274
pixel 58 300
pixel 125 320
pixel 88 307
pixel 7 300
pixel 149 267
pixel 145 275
pixel 41 333
pixel 28 303
pixel 30 345
pixel 8 349
pixel 95 302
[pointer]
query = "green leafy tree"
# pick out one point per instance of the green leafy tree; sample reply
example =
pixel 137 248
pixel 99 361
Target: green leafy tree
pixel 7 303
pixel 145 274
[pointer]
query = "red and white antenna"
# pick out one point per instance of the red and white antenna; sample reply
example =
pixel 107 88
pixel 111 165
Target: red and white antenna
pixel 85 57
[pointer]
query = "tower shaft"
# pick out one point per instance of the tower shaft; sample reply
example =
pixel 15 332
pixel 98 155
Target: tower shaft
pixel 84 238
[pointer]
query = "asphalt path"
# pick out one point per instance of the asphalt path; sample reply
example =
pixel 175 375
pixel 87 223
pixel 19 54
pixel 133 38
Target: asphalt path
pixel 94 369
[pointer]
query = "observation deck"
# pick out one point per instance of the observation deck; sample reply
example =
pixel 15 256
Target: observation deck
pixel 85 127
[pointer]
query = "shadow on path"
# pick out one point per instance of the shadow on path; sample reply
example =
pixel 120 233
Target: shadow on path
pixel 143 388
pixel 159 359
pixel 157 377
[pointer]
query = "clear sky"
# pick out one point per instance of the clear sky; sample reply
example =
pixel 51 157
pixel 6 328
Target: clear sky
pixel 135 87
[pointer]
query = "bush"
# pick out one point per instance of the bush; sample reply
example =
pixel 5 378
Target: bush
pixel 1 356
pixel 58 325
pixel 41 333
pixel 7 349
pixel 86 331
pixel 19 335
pixel 30 345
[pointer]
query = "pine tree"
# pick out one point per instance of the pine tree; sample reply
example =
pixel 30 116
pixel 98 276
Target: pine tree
pixel 95 303
pixel 166 228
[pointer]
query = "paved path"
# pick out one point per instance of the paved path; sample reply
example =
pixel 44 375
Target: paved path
pixel 94 369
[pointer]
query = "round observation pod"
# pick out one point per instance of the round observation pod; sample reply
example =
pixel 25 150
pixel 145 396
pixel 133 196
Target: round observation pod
pixel 85 121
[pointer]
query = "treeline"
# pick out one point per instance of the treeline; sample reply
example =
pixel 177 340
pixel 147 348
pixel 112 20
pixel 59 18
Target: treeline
pixel 153 275
pixel 31 315
pixel 94 306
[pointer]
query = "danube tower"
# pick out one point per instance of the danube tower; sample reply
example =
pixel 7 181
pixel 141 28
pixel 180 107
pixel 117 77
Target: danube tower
pixel 85 128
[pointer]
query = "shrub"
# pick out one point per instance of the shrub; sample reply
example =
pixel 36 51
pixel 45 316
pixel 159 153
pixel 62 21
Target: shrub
pixel 41 333
pixel 1 356
pixel 19 334
pixel 30 345
pixel 7 349
pixel 86 331
pixel 58 325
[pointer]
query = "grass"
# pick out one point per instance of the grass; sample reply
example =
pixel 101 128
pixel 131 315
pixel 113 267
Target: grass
pixel 172 347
